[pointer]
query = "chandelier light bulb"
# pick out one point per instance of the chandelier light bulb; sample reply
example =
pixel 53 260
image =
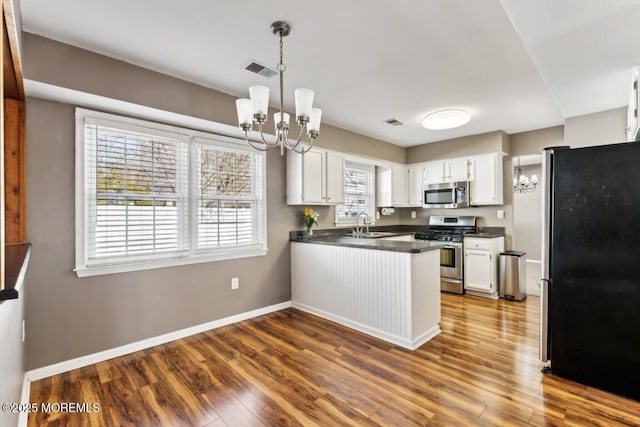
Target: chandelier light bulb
pixel 276 119
pixel 259 99
pixel 314 120
pixel 245 112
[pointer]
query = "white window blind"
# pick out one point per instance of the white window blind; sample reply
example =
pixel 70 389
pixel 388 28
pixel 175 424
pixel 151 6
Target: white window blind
pixel 358 192
pixel 138 187
pixel 228 197
pixel 150 193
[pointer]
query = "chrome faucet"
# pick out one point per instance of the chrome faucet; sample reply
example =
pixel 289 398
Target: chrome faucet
pixel 366 222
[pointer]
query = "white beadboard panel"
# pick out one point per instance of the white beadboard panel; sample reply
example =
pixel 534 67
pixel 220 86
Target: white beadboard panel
pixel 425 298
pixel 533 274
pixel 394 339
pixel 394 296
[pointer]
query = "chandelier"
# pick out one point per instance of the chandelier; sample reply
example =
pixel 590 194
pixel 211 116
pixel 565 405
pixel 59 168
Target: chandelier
pixel 521 183
pixel 256 108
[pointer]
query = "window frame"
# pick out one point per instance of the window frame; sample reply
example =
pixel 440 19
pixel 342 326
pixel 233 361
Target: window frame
pixel 190 138
pixel 371 169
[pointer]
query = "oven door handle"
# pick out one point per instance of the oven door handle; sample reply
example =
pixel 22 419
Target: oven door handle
pixel 450 247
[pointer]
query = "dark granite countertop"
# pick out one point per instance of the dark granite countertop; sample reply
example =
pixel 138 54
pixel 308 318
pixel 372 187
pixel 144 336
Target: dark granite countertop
pixel 488 232
pixel 337 237
pixel 485 235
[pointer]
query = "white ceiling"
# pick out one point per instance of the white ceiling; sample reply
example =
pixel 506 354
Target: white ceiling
pixel 515 65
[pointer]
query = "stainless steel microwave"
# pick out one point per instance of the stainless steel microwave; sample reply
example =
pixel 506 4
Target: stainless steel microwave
pixel 447 195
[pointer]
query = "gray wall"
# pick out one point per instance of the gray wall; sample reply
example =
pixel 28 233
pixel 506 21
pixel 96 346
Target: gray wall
pixel 70 317
pixel 605 127
pixel 527 208
pixel 11 356
pixel 527 218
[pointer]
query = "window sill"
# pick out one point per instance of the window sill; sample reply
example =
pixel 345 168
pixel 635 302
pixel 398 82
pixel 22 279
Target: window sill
pixel 174 262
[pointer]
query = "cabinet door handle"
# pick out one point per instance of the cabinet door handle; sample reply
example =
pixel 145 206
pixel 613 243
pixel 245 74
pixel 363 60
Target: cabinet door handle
pixel 328 198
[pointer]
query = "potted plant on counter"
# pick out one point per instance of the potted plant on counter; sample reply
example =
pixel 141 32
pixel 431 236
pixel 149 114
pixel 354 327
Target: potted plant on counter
pixel 309 219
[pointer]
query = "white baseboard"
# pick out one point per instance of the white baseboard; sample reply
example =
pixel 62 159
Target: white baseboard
pixel 79 362
pixel 424 337
pixel 385 336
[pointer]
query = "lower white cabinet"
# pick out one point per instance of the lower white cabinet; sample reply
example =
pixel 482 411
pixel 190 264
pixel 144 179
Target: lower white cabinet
pixel 481 259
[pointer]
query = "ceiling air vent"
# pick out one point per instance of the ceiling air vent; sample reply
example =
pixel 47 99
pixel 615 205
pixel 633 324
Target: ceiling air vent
pixel 263 70
pixel 394 122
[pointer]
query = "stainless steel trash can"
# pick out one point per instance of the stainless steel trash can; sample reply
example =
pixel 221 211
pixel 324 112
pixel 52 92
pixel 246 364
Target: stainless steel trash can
pixel 513 275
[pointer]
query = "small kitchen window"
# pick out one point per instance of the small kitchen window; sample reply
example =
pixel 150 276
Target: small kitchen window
pixel 150 195
pixel 358 193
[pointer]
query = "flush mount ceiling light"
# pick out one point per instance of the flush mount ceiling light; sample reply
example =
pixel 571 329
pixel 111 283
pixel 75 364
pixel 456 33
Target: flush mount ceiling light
pixel 446 119
pixel 255 110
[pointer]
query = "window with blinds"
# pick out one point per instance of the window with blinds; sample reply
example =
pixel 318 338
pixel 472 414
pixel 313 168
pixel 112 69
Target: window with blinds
pixel 149 193
pixel 358 192
pixel 228 206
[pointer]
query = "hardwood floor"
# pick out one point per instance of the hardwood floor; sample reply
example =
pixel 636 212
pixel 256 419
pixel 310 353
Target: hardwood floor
pixel 291 368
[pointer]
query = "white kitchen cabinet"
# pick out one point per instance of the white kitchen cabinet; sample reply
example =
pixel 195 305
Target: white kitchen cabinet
pixel 451 170
pixel 391 185
pixel 414 185
pixel 335 178
pixel 384 179
pixel 487 186
pixel 315 178
pixel 481 257
pixel 399 182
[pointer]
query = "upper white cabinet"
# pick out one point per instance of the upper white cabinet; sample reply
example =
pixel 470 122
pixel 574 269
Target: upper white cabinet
pixel 335 178
pixel 399 185
pixel 390 185
pixel 315 178
pixel 451 170
pixel 486 187
pixel 415 186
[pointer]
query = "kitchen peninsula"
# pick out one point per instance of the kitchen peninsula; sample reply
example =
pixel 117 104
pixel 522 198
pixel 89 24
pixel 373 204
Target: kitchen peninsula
pixel 389 289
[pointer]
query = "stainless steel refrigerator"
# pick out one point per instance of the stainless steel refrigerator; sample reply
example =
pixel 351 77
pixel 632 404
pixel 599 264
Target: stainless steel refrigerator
pixel 590 286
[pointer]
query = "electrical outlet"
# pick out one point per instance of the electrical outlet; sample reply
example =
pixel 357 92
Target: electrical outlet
pixel 500 214
pixel 413 214
pixel 377 214
pixel 235 283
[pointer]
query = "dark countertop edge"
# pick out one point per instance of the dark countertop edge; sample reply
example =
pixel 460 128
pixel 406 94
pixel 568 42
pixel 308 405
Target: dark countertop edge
pixel 485 235
pixel 488 232
pixel 296 235
pixel 16 262
pixel 374 244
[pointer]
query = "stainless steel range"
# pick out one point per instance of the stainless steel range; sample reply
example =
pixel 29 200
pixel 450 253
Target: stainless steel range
pixel 450 230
